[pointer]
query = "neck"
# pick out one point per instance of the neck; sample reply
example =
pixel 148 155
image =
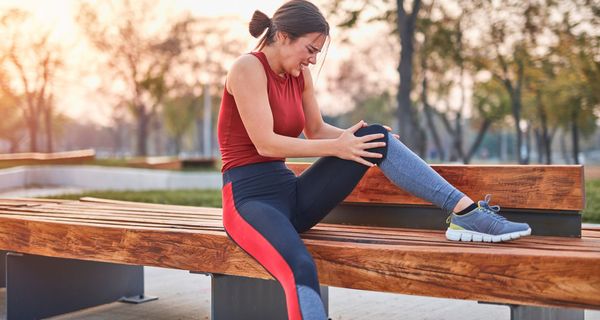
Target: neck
pixel 274 59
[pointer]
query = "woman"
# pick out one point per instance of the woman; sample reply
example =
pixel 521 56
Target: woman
pixel 267 102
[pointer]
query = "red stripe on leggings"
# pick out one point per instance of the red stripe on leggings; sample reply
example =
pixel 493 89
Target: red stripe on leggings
pixel 260 249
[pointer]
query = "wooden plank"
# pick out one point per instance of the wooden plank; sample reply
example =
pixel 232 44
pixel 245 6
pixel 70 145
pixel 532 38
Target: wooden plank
pixel 67 157
pixel 505 275
pixel 551 187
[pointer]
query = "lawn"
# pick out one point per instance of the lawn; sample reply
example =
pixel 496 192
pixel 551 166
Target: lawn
pixel 591 213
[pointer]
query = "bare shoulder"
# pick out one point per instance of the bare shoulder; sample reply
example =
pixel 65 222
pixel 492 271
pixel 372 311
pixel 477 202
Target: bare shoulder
pixel 246 69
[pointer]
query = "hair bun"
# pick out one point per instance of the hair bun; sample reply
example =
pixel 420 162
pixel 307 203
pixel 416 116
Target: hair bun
pixel 259 23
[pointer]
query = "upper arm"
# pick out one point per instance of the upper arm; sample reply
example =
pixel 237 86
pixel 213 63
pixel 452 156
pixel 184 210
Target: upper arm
pixel 312 114
pixel 247 82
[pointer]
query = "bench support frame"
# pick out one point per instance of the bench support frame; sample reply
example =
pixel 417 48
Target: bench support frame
pixel 40 287
pixel 2 269
pixel 544 313
pixel 236 298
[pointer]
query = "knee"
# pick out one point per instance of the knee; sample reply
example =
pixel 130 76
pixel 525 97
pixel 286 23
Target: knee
pixel 374 129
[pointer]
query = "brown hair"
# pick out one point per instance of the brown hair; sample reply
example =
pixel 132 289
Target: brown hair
pixel 296 18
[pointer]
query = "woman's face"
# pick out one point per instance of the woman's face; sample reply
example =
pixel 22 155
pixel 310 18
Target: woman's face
pixel 300 53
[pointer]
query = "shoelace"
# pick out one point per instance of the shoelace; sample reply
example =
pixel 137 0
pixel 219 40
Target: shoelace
pixel 491 210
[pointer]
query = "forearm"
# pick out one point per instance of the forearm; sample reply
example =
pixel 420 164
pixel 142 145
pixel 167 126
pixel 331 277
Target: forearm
pixel 325 131
pixel 287 147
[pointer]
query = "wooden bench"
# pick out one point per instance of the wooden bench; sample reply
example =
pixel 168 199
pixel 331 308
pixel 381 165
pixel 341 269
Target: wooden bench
pixel 39 158
pixel 172 163
pixel 379 239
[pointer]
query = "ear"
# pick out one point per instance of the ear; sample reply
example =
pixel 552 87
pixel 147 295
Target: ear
pixel 282 36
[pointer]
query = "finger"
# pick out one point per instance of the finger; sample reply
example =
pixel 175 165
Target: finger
pixel 396 136
pixel 355 127
pixel 368 154
pixel 387 128
pixel 370 137
pixel 371 145
pixel 363 161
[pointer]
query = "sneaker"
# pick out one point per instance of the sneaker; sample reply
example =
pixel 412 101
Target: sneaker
pixel 483 224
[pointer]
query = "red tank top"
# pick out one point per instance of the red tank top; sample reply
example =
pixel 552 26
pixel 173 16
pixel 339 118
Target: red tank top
pixel 285 99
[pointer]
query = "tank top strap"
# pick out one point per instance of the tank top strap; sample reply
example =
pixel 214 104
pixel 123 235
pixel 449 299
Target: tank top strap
pixel 268 71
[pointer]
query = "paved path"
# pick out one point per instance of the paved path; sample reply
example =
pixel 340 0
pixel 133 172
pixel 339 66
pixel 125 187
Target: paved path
pixel 187 296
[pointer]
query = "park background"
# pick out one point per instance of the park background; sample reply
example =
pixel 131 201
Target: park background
pixel 461 81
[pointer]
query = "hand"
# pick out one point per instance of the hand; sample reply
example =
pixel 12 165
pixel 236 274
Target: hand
pixel 351 147
pixel 390 130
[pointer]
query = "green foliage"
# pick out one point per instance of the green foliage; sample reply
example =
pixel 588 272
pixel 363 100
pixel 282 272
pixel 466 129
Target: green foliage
pixel 179 115
pixel 373 109
pixel 186 197
pixel 491 101
pixel 591 214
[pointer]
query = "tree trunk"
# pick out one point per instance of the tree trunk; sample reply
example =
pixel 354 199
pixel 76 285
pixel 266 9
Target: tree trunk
pixel 563 146
pixel 48 128
pixel 575 135
pixel 428 113
pixel 142 132
pixel 545 138
pixel 539 143
pixel 480 135
pixel 409 128
pixel 516 111
pixel 32 127
pixel 527 158
pixel 458 137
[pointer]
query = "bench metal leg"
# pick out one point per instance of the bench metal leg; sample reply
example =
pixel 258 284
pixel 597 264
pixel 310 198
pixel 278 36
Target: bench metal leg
pixel 39 287
pixel 542 313
pixel 236 298
pixel 2 269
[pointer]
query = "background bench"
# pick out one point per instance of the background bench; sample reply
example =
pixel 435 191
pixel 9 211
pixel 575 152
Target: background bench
pixel 39 158
pixel 546 271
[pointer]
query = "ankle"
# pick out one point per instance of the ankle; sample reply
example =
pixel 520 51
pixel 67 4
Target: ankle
pixel 464 203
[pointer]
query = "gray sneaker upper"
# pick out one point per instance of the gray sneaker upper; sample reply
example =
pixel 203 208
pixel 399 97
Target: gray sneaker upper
pixel 484 219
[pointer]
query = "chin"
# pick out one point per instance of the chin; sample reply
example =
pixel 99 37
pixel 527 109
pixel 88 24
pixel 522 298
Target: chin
pixel 295 73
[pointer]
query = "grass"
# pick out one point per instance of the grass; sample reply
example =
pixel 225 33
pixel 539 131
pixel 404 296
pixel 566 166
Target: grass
pixel 591 214
pixel 188 197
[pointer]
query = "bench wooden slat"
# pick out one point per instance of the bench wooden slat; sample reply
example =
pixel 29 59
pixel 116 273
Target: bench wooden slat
pixel 526 275
pixel 543 187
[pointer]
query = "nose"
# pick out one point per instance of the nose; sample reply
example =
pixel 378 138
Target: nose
pixel 312 59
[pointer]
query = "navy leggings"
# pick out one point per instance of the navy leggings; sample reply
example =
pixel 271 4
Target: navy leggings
pixel 265 207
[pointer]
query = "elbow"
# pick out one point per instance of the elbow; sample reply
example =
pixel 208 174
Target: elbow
pixel 311 133
pixel 267 151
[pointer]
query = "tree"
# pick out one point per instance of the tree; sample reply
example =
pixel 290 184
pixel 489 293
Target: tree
pixel 574 88
pixel 31 64
pixel 138 55
pixel 12 122
pixel 179 116
pixel 404 22
pixel 491 103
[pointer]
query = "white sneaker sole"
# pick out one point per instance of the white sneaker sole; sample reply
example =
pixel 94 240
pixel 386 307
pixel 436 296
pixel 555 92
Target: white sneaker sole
pixel 466 235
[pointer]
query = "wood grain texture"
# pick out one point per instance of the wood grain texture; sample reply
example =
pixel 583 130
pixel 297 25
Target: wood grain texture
pixel 550 187
pixel 544 271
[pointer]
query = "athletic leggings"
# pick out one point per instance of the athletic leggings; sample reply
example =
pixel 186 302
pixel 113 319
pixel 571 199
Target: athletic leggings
pixel 265 207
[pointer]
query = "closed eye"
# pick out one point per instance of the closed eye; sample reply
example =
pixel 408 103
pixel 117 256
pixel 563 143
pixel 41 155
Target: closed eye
pixel 312 50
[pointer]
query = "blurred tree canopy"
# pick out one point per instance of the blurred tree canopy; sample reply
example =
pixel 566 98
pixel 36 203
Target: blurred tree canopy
pixel 547 66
